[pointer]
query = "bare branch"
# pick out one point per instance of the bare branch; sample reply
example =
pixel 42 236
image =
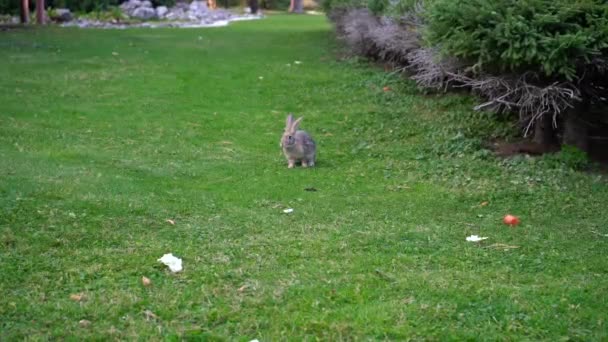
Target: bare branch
pixel 516 93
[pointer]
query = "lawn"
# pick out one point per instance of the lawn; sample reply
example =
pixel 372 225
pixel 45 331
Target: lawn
pixel 107 137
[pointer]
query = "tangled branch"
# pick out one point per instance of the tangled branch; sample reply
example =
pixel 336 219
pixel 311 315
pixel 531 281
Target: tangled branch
pixel 517 94
pixel 429 69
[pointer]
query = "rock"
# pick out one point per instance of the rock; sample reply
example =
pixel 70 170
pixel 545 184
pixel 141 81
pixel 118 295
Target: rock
pixel 61 15
pixel 161 11
pixel 145 3
pixel 197 10
pixel 198 6
pixel 144 13
pixel 130 5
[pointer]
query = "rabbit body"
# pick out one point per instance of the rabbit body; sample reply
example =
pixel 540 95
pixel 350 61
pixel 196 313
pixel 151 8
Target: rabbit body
pixel 298 145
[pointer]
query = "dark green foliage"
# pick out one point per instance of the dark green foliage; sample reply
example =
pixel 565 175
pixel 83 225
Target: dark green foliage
pixel 555 38
pixel 275 4
pixel 167 3
pixel 570 157
pixel 9 6
pixel 83 5
pixel 377 6
pixel 329 5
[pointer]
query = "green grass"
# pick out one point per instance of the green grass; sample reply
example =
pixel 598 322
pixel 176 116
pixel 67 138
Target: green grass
pixel 104 135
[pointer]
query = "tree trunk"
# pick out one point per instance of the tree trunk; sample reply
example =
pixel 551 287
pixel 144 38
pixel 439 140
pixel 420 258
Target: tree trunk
pixel 40 12
pixel 25 11
pixel 576 130
pixel 254 5
pixel 544 133
pixel 298 6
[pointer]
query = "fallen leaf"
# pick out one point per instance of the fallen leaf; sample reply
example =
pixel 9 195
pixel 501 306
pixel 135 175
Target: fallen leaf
pixel 288 211
pixel 386 88
pixel 484 203
pixel 146 281
pixel 501 246
pixel 150 315
pixel 170 221
pixel 78 297
pixel 242 288
pixel 409 300
pixel 384 275
pixel 84 323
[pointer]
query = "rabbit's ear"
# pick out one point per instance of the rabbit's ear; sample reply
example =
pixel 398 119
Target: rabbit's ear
pixel 289 121
pixel 295 124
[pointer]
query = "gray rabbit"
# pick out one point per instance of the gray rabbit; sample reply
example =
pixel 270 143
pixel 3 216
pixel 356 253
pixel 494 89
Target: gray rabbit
pixel 297 145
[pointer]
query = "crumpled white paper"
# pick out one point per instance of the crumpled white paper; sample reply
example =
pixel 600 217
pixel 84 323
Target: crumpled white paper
pixel 475 238
pixel 174 263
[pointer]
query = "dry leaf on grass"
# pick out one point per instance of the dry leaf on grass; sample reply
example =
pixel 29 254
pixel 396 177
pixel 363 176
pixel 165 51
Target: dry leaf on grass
pixel 84 323
pixel 409 300
pixel 78 297
pixel 242 288
pixel 170 221
pixel 149 315
pixel 146 281
pixel 501 246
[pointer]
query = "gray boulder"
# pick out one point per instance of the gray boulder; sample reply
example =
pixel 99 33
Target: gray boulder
pixel 144 13
pixel 198 10
pixel 176 14
pixel 161 11
pixel 130 5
